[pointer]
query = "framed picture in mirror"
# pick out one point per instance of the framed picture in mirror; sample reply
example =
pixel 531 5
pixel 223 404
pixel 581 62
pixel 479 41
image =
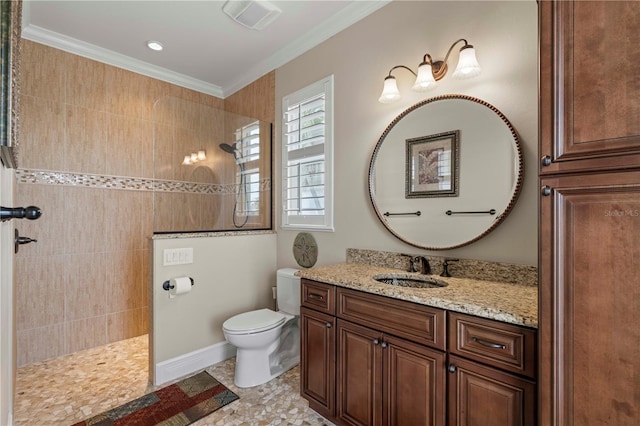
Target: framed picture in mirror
pixel 432 165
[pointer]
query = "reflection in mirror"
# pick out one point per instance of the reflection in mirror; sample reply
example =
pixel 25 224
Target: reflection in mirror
pixel 212 169
pixel 446 172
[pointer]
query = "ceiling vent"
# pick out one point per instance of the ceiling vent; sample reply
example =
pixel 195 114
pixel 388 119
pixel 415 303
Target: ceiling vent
pixel 252 14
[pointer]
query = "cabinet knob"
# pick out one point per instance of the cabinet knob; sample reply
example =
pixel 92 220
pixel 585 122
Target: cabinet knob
pixel 329 325
pixel 452 368
pixel 546 160
pixel 376 342
pixel 384 345
pixel 546 190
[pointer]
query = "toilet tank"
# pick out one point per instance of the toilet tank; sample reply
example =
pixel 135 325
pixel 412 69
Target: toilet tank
pixel 288 291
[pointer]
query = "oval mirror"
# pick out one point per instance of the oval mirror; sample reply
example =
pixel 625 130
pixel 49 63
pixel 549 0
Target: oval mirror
pixel 446 172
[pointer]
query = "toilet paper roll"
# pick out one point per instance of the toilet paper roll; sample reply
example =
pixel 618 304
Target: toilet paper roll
pixel 181 285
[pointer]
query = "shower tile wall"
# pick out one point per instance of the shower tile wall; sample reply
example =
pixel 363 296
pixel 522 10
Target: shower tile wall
pixel 84 283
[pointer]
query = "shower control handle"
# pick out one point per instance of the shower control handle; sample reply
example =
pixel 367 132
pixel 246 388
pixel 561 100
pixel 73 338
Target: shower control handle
pixel 18 241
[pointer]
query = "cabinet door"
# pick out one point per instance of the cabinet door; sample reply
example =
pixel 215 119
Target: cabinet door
pixel 590 300
pixel 359 375
pixel 414 384
pixel 317 350
pixel 589 85
pixel 482 396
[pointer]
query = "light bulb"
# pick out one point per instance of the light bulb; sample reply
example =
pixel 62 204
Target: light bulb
pixel 424 80
pixel 390 92
pixel 467 64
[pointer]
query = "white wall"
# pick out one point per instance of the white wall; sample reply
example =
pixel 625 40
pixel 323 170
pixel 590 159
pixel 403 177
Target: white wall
pixel 232 274
pixel 7 332
pixel 505 37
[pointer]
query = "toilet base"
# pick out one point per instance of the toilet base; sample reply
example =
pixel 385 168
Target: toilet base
pixel 258 366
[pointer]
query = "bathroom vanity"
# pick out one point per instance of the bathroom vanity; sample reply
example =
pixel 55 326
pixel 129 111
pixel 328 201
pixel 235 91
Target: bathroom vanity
pixel 379 354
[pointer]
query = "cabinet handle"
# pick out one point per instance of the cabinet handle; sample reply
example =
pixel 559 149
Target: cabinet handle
pixel 546 190
pixel 488 344
pixel 376 342
pixel 315 296
pixel 452 368
pixel 329 325
pixel 546 160
pixel 384 345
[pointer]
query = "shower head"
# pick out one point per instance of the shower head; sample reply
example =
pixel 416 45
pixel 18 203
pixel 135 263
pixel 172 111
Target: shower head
pixel 231 149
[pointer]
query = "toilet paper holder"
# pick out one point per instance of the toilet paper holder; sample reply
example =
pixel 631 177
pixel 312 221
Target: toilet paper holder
pixel 167 284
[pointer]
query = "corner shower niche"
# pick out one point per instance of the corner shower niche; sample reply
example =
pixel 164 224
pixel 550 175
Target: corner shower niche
pixel 212 169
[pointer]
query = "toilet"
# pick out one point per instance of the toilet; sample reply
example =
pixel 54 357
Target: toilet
pixel 267 342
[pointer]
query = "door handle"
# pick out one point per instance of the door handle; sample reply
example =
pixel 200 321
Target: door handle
pixel 18 241
pixel 8 213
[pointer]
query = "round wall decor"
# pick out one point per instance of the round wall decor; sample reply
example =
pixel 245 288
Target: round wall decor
pixel 305 250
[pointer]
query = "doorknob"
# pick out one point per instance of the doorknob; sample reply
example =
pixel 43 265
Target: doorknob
pixel 18 241
pixel 31 213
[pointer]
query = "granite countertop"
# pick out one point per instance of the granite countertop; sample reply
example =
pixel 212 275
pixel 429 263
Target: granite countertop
pixel 510 303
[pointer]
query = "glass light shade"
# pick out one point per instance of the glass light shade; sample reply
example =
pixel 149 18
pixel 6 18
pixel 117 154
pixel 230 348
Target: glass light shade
pixel 390 92
pixel 194 157
pixel 187 160
pixel 424 80
pixel 202 155
pixel 467 64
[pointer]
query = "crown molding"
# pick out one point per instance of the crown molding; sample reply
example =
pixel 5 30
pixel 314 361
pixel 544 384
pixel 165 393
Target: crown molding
pixel 316 35
pixel 91 51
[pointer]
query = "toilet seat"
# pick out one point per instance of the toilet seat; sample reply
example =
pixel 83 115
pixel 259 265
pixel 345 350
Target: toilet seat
pixel 254 322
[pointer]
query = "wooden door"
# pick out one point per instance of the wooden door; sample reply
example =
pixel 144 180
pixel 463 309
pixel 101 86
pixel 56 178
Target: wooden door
pixel 589 85
pixel 317 352
pixel 590 300
pixel 359 370
pixel 482 396
pixel 414 384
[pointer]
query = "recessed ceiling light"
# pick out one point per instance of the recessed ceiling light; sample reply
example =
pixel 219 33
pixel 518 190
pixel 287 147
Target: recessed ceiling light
pixel 154 45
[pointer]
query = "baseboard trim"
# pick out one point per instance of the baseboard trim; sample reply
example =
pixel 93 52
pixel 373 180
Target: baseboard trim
pixel 183 365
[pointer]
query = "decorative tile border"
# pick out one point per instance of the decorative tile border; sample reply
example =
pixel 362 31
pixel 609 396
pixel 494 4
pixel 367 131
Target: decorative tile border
pixel 44 177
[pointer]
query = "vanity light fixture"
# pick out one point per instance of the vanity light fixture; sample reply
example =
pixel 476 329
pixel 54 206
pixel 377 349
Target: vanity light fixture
pixel 154 45
pixel 430 71
pixel 194 157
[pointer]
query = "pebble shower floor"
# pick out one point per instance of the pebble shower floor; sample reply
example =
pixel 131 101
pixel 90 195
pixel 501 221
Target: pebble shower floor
pixel 65 390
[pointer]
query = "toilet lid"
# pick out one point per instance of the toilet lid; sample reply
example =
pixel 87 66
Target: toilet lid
pixel 254 321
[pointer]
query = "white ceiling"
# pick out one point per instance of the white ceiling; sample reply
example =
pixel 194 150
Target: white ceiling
pixel 203 48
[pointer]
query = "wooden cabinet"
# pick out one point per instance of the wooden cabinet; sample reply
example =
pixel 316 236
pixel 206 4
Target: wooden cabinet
pixel 481 396
pixel 590 213
pixel 317 360
pixel 589 86
pixel 483 389
pixel 590 300
pixel 384 380
pixel 378 361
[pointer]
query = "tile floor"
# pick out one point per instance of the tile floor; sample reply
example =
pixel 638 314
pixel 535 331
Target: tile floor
pixel 65 390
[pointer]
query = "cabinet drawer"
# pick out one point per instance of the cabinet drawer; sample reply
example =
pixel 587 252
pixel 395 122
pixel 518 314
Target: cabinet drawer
pixel 505 346
pixel 318 296
pixel 418 323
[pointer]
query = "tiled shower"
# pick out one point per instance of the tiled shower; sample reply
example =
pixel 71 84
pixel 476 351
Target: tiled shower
pixel 86 158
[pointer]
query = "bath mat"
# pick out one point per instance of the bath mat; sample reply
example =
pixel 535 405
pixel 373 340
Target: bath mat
pixel 179 404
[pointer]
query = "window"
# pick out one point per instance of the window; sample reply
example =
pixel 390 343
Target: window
pixel 307 157
pixel 247 144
